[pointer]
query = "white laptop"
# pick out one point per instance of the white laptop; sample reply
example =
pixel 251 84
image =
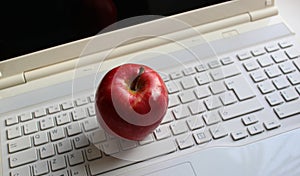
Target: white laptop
pixel 232 72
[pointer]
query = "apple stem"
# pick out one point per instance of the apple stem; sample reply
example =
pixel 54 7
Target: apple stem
pixel 134 84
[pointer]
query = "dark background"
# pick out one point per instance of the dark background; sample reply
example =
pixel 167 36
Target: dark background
pixel 28 26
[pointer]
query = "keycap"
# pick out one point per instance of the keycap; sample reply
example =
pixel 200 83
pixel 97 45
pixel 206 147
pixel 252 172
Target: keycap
pixel 126 144
pixel 168 118
pixel 162 132
pixel 244 55
pixel 53 109
pixel 57 133
pixel 201 136
pixel 279 56
pixel 274 99
pixel 265 61
pixel 211 117
pixel 181 112
pixel 147 140
pixel 239 109
pixel 79 113
pixel 255 129
pixel 292 53
pixel 46 123
pixel 73 129
pixel 25 116
pixel 258 51
pixel 23 157
pixel 266 87
pixel 297 63
pixel 288 109
pixel 202 92
pixel 217 87
pixel 240 86
pixel 62 118
pixel 189 71
pixel 249 119
pixel 214 64
pixel 201 67
pixel 136 154
pixel 212 103
pixel 224 72
pixel 79 170
pixel 91 111
pixel 227 60
pixel 273 71
pixel 173 101
pixel 92 153
pixel 24 171
pixel 287 67
pixel 172 87
pixel 19 144
pixel 64 146
pixel 57 163
pixel 176 75
pixel 184 141
pixel 75 157
pixel 40 168
pixel 272 47
pixel 195 122
pixel 47 151
pixel 40 138
pixel 81 101
pixel 81 141
pixel 281 82
pixel 272 124
pixel 196 107
pixel 39 112
pixel 239 134
pixel 188 82
pixel 187 96
pixel 97 136
pixel 285 44
pixel 251 65
pixel 218 131
pixel 258 75
pixel 289 94
pixel 67 105
pixel 179 127
pixel 294 78
pixel 11 120
pixel 203 78
pixel 30 127
pixel 90 124
pixel 14 132
pixel 228 98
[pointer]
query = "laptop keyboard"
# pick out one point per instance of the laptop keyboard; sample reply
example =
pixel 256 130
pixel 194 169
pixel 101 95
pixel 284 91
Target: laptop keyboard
pixel 222 102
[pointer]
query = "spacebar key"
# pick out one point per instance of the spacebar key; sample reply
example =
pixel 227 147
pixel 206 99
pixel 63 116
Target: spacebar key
pixel 132 156
pixel 241 108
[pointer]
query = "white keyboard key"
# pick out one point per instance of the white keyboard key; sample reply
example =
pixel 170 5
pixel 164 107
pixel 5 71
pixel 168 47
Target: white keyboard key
pixel 19 144
pixel 147 140
pixel 57 133
pixel 62 118
pixel 203 78
pixel 287 67
pixel 73 129
pixel 242 108
pixel 30 127
pixel 272 47
pixel 90 124
pixel 75 157
pixel 188 82
pixel 265 61
pixel 22 171
pixel 176 75
pixel 251 65
pixel 97 136
pixel 164 76
pixel 273 71
pixel 187 96
pixel 279 56
pixel 239 134
pixel 196 107
pixel 53 109
pixel 168 118
pixel 79 113
pixel 289 94
pixel 294 78
pixel 14 132
pixel 184 141
pixel 281 82
pixel 240 86
pixel 258 51
pixel 162 132
pixel 111 147
pixel 189 71
pixel 202 92
pixel 81 101
pixel 46 123
pixel 92 153
pixel 67 105
pixel 23 157
pixel 201 67
pixel 25 116
pixel 181 112
pixel 64 146
pixel 249 119
pixel 258 76
pixel 270 125
pixel 12 120
pixel 40 168
pixel 217 87
pixel 266 87
pixel 274 99
pixel 91 110
pixel 172 87
pixel 78 171
pixel 244 55
pixel 212 103
pixel 141 153
pixel 228 98
pixel 285 44
pixel 292 53
pixel 218 131
pixel 226 60
pixel 40 112
pixel 173 101
pixel 195 122
pixel 179 127
pixel 211 117
pixel 40 138
pixel 47 151
pixel 297 63
pixel 57 163
pixel 81 141
pixel 288 109
pixel 202 136
pixel 255 129
pixel 92 98
pixel 126 144
pixel 214 64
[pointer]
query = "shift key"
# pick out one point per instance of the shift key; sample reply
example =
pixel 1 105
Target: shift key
pixel 240 86
pixel 24 157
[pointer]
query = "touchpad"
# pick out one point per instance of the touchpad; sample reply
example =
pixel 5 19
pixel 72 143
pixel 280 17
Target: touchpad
pixel 177 170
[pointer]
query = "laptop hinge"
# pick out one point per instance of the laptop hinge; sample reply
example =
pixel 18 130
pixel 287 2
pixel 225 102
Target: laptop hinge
pixel 263 13
pixel 11 81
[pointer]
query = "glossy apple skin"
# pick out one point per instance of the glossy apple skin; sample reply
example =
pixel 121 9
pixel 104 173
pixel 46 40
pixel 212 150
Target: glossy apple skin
pixel 131 101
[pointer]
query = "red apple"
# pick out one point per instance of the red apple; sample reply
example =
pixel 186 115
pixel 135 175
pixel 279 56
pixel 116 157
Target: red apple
pixel 131 101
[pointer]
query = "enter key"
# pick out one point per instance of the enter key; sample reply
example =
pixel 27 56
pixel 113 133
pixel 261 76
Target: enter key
pixel 240 86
